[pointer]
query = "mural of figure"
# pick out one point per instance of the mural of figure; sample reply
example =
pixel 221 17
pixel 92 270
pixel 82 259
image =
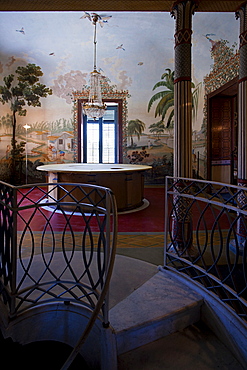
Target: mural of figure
pixel 54 153
pixel 62 156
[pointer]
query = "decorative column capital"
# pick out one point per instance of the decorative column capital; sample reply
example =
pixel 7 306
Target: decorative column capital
pixel 182 11
pixel 241 9
pixel 241 14
pixel 242 39
pixel 183 37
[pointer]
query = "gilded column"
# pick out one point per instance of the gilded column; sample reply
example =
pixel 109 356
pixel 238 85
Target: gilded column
pixel 242 106
pixel 242 124
pixel 182 12
pixel 182 228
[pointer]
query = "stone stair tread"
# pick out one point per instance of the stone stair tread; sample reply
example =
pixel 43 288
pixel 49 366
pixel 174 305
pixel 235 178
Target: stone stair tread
pixel 195 347
pixel 161 296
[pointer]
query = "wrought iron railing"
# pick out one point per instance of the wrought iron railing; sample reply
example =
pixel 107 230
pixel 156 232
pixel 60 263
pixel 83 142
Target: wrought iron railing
pixel 206 233
pixel 57 243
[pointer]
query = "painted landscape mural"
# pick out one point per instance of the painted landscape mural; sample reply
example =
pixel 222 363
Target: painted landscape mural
pixel 135 53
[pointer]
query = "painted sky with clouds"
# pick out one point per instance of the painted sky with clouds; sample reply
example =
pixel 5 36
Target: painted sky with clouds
pixel 61 43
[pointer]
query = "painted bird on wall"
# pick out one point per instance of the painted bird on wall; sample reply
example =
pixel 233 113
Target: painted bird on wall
pixel 21 31
pixel 102 18
pixel 120 47
pixel 214 43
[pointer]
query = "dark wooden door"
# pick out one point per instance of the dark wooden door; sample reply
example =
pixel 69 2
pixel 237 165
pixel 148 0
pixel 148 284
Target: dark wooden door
pixel 221 138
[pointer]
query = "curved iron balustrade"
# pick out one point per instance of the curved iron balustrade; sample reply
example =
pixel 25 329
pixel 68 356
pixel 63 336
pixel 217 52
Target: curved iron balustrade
pixel 206 233
pixel 29 271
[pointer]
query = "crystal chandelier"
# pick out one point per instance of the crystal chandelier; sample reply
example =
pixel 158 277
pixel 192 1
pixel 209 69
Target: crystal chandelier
pixel 94 108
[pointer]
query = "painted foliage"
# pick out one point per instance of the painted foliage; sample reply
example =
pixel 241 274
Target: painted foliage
pixel 135 52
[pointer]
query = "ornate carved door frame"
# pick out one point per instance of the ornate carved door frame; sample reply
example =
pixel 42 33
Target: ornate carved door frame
pixel 109 94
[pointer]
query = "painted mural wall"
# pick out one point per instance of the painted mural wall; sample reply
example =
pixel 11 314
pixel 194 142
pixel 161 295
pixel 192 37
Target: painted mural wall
pixel 135 52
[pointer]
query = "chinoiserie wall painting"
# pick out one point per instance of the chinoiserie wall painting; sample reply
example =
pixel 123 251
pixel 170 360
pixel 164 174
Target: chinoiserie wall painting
pixel 135 55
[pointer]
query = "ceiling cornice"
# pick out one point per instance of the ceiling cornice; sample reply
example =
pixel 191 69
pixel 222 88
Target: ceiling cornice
pixel 114 5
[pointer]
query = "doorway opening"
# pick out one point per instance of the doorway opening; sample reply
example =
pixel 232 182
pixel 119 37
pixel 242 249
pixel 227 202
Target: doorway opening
pixel 222 133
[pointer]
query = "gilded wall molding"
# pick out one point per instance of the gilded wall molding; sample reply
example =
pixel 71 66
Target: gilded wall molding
pixel 109 92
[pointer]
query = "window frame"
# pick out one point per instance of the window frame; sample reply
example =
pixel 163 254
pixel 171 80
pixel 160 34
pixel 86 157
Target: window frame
pixel 118 131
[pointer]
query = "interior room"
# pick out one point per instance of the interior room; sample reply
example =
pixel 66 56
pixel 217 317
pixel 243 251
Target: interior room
pixel 133 143
pixel 134 66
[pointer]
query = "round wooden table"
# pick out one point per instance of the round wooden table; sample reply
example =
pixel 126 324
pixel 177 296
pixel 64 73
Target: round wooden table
pixel 125 180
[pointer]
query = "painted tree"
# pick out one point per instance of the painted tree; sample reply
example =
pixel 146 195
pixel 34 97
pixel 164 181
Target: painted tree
pixel 157 128
pixel 21 90
pixel 165 97
pixel 165 106
pixel 135 127
pixel 6 123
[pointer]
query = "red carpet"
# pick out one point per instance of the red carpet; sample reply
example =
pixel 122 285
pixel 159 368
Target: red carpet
pixel 150 219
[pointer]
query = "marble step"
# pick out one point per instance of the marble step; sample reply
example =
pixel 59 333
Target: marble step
pixel 195 347
pixel 159 307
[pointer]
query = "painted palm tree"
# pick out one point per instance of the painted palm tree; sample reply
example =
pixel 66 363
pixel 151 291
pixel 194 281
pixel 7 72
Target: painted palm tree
pixel 166 97
pixel 135 127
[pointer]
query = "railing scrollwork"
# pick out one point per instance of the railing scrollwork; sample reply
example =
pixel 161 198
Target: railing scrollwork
pixel 202 237
pixel 37 229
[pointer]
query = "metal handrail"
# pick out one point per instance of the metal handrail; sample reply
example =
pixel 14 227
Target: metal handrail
pixel 26 282
pixel 206 233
